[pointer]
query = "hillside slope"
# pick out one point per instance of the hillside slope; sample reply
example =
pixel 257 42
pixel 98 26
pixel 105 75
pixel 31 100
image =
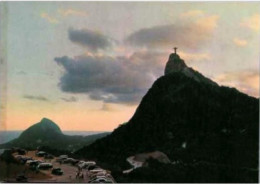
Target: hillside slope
pixel 192 120
pixel 47 133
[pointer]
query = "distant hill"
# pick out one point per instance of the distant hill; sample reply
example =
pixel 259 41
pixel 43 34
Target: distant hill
pixel 210 132
pixel 47 133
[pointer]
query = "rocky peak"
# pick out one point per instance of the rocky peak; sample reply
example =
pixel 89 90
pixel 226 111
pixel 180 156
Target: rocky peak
pixel 174 64
pixel 47 124
pixel 43 129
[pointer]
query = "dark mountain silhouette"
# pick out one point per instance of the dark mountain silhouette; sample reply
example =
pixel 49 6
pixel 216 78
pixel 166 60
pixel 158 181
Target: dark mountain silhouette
pixel 47 133
pixel 210 132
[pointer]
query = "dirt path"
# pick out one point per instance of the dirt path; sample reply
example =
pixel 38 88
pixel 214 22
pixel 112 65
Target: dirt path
pixel 69 172
pixel 134 163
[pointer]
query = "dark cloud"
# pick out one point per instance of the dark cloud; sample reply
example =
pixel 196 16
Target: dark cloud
pixel 187 35
pixel 71 99
pixel 39 98
pixel 111 79
pixel 90 39
pixel 125 79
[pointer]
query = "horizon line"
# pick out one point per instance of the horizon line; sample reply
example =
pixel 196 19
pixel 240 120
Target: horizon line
pixel 65 130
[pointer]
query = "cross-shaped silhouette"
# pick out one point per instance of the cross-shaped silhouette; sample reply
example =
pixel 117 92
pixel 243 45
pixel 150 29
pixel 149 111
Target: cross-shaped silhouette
pixel 175 50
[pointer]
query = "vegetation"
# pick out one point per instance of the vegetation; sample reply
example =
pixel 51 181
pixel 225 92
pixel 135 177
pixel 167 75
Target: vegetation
pixel 47 133
pixel 190 121
pixel 201 172
pixel 54 151
pixel 7 157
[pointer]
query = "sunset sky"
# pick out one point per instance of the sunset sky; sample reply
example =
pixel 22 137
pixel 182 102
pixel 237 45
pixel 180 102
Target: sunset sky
pixel 86 65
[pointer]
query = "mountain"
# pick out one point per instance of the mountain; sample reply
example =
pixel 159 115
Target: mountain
pixel 210 132
pixel 44 130
pixel 47 133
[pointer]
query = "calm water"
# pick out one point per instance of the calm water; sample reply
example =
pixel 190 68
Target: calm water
pixel 6 136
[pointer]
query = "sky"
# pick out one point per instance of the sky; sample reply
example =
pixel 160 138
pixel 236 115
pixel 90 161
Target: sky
pixel 87 65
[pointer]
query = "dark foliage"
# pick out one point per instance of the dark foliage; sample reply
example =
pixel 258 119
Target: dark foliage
pixel 190 121
pixel 47 133
pixel 54 152
pixel 202 172
pixel 7 157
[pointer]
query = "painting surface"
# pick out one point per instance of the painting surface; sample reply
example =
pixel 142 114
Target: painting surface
pixel 129 92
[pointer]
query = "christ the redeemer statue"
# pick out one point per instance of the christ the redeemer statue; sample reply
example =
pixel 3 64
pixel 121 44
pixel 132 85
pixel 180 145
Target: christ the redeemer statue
pixel 175 50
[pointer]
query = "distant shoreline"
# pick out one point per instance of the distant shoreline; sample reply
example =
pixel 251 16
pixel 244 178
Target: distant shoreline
pixel 100 131
pixel 9 135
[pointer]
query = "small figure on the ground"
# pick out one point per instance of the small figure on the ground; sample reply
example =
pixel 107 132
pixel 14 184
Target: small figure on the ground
pixel 82 176
pixel 77 175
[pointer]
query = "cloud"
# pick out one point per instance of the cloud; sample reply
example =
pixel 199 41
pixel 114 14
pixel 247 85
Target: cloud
pixel 68 12
pixel 240 42
pixel 49 18
pixel 252 22
pixel 195 57
pixel 115 79
pixel 107 107
pixel 71 99
pixel 188 34
pixel 90 39
pixel 111 79
pixel 191 14
pixel 247 81
pixel 39 98
pixel 62 12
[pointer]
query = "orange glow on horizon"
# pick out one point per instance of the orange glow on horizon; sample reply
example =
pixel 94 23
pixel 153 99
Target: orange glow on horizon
pixel 71 118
